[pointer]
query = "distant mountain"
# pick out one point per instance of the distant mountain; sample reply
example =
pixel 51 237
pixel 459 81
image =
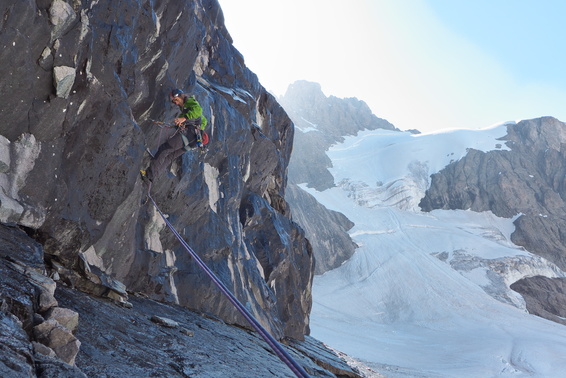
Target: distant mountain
pixel 529 181
pixel 432 293
pixel 320 122
pixel 430 248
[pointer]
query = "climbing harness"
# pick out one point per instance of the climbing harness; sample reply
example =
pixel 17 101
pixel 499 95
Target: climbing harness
pixel 277 348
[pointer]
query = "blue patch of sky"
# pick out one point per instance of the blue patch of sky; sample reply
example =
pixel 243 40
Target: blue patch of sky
pixel 526 36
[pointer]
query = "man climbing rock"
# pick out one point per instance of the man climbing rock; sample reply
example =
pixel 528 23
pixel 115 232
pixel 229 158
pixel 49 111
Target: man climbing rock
pixel 189 131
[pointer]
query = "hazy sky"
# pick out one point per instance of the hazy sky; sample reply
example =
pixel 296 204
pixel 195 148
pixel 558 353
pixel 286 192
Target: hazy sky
pixel 424 64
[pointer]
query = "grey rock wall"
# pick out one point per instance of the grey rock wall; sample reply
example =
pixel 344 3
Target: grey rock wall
pixel 84 83
pixel 528 181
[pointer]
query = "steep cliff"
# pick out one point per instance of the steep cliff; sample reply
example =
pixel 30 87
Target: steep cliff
pixel 82 82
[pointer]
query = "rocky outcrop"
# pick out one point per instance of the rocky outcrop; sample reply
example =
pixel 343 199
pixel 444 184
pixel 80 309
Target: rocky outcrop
pixel 327 230
pixel 36 333
pixel 528 180
pixel 79 96
pixel 82 335
pixel 544 296
pixel 320 122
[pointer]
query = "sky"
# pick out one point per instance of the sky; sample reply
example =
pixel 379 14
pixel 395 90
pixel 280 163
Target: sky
pixel 419 297
pixel 420 64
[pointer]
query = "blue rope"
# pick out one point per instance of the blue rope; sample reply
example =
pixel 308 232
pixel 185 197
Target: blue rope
pixel 277 348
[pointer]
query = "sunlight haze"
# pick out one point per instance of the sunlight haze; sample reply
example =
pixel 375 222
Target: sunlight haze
pixel 420 64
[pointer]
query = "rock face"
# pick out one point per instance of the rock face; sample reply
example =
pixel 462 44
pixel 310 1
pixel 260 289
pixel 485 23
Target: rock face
pixel 326 229
pixel 36 335
pixel 529 180
pixel 82 335
pixel 544 297
pixel 321 122
pixel 79 96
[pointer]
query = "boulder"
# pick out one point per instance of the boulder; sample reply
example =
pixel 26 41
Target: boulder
pixel 63 80
pixel 61 16
pixel 43 349
pixel 165 322
pixel 60 339
pixel 64 316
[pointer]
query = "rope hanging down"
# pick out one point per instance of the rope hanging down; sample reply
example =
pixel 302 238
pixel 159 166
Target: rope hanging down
pixel 277 348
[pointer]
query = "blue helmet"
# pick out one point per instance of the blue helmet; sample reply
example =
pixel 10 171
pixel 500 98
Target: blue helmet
pixel 175 93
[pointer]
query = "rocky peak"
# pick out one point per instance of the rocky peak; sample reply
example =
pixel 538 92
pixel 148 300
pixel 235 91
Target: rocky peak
pixel 312 111
pixel 86 81
pixel 320 122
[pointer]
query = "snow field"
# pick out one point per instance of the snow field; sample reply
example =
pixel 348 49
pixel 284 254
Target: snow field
pixel 421 296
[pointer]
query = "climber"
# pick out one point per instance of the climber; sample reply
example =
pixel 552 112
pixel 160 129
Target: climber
pixel 189 133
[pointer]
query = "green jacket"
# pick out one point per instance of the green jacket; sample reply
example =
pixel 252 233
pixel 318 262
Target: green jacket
pixel 191 109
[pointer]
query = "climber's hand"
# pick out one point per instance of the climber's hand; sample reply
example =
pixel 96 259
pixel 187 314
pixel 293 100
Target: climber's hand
pixel 179 121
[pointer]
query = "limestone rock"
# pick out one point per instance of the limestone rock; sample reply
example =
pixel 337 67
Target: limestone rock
pixel 63 80
pixel 10 209
pixel 17 160
pixel 64 316
pixel 545 297
pixel 165 322
pixel 4 155
pixel 58 338
pixel 61 15
pixel 120 342
pixel 320 122
pixel 46 59
pixel 46 366
pixel 43 349
pixel 526 180
pixel 46 301
pixel 326 230
pixel 187 332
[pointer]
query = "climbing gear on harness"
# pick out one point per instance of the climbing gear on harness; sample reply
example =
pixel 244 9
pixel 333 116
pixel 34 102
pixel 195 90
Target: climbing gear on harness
pixel 277 348
pixel 198 132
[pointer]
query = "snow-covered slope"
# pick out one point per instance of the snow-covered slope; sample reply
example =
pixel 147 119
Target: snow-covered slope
pixel 426 294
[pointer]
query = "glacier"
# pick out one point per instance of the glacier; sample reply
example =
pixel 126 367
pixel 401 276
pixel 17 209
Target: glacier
pixel 427 294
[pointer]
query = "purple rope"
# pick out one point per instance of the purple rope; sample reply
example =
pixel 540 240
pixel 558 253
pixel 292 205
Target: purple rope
pixel 277 348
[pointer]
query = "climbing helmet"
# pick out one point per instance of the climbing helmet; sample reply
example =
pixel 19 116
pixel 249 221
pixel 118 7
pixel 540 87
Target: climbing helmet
pixel 175 93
